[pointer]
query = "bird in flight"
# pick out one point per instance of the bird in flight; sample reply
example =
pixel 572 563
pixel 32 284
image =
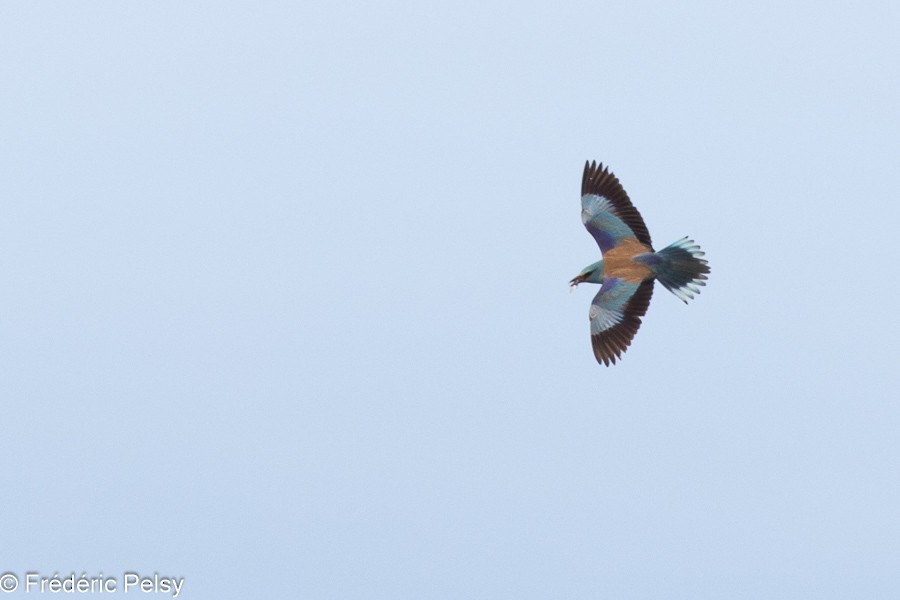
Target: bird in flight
pixel 629 265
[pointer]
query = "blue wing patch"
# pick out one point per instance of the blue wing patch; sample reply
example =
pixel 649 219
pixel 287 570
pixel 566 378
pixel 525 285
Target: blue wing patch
pixel 607 229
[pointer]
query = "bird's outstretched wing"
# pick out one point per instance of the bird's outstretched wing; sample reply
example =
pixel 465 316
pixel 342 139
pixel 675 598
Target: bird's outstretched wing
pixel 606 211
pixel 615 315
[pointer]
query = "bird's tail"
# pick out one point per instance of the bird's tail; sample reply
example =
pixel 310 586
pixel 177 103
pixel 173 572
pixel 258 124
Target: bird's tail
pixel 680 268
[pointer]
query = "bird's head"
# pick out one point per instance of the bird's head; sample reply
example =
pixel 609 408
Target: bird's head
pixel 590 274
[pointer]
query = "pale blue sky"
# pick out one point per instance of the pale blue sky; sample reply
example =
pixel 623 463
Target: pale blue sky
pixel 284 305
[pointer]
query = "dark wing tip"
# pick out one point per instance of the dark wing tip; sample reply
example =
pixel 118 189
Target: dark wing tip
pixel 593 173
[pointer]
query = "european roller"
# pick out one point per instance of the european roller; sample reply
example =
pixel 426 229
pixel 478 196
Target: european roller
pixel 629 265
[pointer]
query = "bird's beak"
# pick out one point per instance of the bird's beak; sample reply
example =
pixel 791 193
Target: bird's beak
pixel 575 281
